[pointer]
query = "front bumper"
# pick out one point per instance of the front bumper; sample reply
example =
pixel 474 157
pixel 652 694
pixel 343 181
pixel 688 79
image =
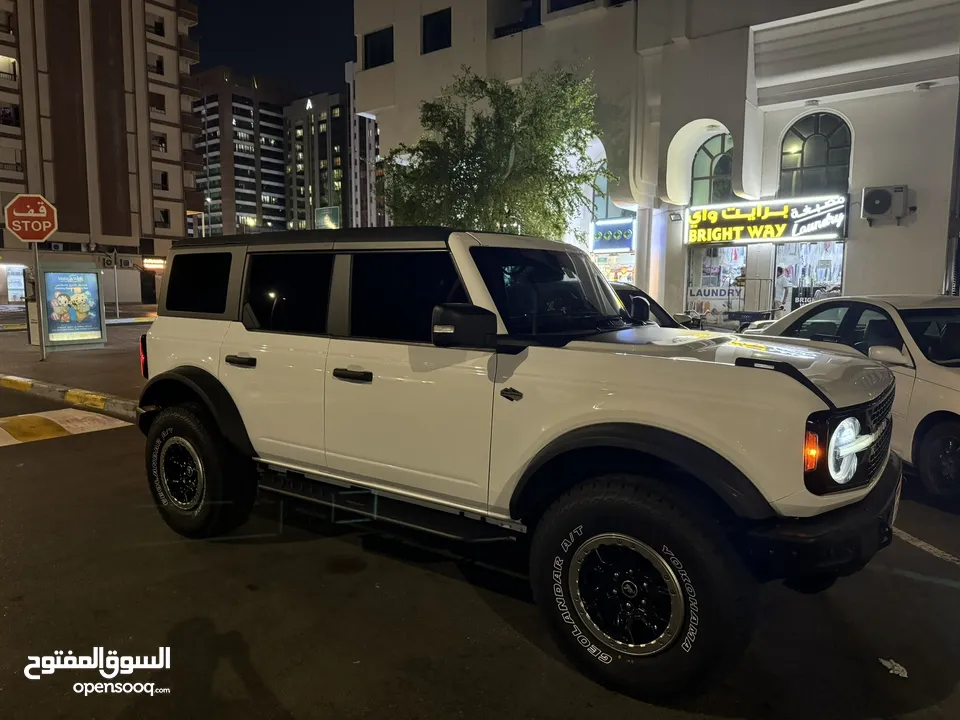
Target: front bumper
pixel 840 542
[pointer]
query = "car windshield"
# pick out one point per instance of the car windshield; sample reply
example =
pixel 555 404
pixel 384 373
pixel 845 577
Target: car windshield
pixel 936 333
pixel 548 291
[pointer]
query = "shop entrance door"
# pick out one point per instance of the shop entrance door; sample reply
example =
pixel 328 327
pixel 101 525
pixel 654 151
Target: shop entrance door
pixel 813 270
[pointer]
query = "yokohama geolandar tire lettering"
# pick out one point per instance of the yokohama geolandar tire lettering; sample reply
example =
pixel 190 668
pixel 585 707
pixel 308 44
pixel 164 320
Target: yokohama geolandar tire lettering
pixel 200 485
pixel 630 541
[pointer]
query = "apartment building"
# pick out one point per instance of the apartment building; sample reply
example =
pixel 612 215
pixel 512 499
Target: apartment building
pixel 95 115
pixel 704 103
pixel 241 152
pixel 331 162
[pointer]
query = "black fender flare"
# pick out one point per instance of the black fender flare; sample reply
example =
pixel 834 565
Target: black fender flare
pixel 696 460
pixel 209 391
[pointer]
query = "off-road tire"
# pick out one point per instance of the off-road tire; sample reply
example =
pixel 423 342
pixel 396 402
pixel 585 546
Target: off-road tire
pixel 719 594
pixel 229 480
pixel 929 457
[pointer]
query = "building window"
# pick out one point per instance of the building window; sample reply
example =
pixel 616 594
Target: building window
pixel 161 180
pixel 158 103
pixel 155 25
pixel 299 132
pixel 815 156
pixel 158 142
pixel 436 32
pixel 336 111
pixel 161 219
pixel 713 171
pixel 154 64
pixel 378 48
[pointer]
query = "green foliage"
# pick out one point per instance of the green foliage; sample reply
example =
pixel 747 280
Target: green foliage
pixel 497 157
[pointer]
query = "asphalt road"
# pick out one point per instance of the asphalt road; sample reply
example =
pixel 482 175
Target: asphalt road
pixel 297 618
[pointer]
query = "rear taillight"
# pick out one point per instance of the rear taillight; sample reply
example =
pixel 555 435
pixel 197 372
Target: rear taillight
pixel 143 356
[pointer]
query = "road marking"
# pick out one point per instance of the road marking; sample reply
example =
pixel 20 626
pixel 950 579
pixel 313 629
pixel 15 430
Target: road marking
pixel 53 424
pixel 927 547
pixel 931 579
pixel 85 399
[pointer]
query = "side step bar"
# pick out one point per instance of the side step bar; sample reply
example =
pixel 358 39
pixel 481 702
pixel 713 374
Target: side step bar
pixel 357 505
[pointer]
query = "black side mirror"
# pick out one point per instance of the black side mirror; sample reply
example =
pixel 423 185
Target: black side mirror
pixel 639 309
pixel 462 325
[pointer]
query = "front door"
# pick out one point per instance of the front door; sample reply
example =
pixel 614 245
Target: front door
pixel 273 363
pixel 400 412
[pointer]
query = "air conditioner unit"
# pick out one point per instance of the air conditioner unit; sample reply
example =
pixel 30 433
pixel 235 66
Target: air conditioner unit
pixel 884 202
pixel 107 262
pixel 126 263
pixel 56 247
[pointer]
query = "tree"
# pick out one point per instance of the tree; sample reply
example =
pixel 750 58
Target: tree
pixel 501 158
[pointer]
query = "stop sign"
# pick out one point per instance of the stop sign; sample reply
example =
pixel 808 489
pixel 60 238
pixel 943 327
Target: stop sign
pixel 31 218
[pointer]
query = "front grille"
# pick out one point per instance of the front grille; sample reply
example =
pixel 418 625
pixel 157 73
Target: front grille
pixel 874 458
pixel 880 409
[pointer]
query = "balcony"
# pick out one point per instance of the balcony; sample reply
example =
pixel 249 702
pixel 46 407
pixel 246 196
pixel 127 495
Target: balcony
pixel 189 49
pixel 156 28
pixel 164 187
pixel 190 123
pixel 192 160
pixel 187 9
pixel 190 85
pixel 192 200
pixel 8 35
pixel 155 69
pixel 11 168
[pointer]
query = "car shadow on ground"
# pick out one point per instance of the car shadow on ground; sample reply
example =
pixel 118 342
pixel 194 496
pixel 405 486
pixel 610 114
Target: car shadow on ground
pixel 811 657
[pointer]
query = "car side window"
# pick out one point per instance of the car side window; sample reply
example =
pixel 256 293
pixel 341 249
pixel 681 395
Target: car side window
pixel 289 292
pixel 392 294
pixel 199 282
pixel 820 325
pixel 874 328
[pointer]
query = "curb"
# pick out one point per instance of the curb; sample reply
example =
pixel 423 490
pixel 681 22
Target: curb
pixel 15 327
pixel 101 402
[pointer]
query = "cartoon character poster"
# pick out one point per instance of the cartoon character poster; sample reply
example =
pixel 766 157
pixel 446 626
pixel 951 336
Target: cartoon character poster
pixel 73 306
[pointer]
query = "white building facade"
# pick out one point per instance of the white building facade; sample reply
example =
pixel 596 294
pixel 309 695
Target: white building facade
pixel 783 110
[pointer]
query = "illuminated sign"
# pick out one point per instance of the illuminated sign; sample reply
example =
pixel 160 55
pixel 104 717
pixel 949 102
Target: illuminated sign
pixel 156 264
pixel 819 218
pixel 614 235
pixel 309 104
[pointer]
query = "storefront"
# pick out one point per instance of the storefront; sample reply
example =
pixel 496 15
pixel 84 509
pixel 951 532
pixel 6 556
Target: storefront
pixel 12 284
pixel 613 246
pixel 737 251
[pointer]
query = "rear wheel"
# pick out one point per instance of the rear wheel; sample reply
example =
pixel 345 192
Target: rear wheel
pixel 200 484
pixel 642 592
pixel 939 460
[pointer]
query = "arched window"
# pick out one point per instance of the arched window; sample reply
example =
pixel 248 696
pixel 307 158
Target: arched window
pixel 815 156
pixel 713 171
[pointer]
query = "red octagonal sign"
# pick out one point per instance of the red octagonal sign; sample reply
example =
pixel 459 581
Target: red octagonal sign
pixel 31 218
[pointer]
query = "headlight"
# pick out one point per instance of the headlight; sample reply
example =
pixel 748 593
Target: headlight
pixel 841 462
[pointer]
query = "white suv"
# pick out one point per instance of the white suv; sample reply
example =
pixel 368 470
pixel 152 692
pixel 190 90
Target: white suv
pixel 487 387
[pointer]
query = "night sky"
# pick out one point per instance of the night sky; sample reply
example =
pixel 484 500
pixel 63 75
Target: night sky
pixel 303 44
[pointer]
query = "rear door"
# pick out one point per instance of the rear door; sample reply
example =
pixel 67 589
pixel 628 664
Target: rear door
pixel 401 412
pixel 273 361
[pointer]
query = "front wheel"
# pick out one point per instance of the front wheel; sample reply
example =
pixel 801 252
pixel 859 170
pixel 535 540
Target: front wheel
pixel 201 486
pixel 642 593
pixel 938 464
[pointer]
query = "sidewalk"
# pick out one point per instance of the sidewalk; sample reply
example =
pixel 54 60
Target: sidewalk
pixel 14 317
pixel 114 370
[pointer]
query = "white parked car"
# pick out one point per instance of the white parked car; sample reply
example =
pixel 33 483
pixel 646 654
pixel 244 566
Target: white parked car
pixel 918 337
pixel 484 387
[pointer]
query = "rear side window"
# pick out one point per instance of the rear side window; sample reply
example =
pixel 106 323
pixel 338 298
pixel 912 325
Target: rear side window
pixel 289 292
pixel 198 283
pixel 393 294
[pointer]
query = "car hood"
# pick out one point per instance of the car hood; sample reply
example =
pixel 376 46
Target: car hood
pixel 846 379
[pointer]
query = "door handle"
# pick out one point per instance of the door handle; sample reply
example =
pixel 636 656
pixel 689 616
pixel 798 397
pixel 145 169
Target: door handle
pixel 357 376
pixel 241 361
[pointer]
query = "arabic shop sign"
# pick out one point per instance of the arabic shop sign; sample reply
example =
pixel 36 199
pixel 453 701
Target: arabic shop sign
pixel 819 218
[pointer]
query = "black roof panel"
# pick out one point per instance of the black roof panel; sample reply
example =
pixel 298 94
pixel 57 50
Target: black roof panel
pixel 371 234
